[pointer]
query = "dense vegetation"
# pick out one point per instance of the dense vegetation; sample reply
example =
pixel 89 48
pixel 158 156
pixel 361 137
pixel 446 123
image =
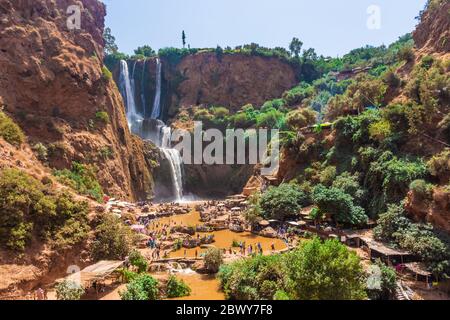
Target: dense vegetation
pixel 113 240
pixel 316 270
pixel 31 209
pixel 10 131
pixel 81 178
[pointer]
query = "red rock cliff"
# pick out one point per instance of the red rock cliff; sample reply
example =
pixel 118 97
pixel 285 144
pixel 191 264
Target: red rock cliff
pixel 52 84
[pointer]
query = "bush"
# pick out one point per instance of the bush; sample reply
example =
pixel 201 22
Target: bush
pixel 28 208
pixel 328 175
pixel 406 53
pixel 143 287
pixel 41 151
pixel 282 202
pixel 113 240
pixel 350 185
pixel 69 290
pixel 340 205
pixel 107 75
pixel 177 288
pixel 213 259
pixel 439 166
pixel 421 189
pixel 380 130
pixel 81 178
pixel 10 131
pixel 102 116
pixel 301 118
pixel 137 259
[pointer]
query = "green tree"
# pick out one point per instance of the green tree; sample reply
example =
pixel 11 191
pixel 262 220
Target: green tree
pixel 213 259
pixel 177 288
pixel 113 240
pixel 145 51
pixel 282 202
pixel 137 259
pixel 325 271
pixel 183 39
pixel 339 204
pixel 110 42
pixel 296 47
pixel 144 287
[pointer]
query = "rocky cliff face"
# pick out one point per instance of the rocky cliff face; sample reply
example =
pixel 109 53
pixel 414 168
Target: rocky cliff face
pixel 232 80
pixel 52 84
pixel 433 33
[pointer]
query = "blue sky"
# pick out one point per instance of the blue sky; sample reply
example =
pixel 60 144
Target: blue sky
pixel 332 27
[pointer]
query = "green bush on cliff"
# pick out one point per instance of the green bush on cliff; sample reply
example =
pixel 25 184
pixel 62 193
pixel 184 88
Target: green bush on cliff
pixel 81 178
pixel 137 260
pixel 29 208
pixel 10 131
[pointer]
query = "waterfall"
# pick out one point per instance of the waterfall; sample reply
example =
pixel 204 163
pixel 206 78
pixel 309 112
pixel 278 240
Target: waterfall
pixel 156 112
pixel 159 133
pixel 126 84
pixel 144 106
pixel 175 161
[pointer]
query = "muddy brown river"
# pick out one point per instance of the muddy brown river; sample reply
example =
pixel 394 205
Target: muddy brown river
pixel 223 238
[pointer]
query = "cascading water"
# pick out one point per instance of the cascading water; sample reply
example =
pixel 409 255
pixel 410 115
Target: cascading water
pixel 161 135
pixel 144 105
pixel 126 84
pixel 156 112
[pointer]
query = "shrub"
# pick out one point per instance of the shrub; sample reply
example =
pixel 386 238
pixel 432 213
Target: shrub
pixel 350 185
pixel 406 53
pixel 328 175
pixel 213 259
pixel 69 290
pixel 26 209
pixel 137 259
pixel 102 116
pixel 144 287
pixel 427 62
pixel 107 75
pixel 81 178
pixel 325 271
pixel 177 288
pixel 301 118
pixel 439 166
pixel 41 151
pixel 421 189
pixel 380 130
pixel 113 240
pixel 339 204
pixel 282 202
pixel 10 131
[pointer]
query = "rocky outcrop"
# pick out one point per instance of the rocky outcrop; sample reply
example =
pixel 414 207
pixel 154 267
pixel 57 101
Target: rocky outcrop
pixel 435 211
pixel 433 33
pixel 232 81
pixel 53 85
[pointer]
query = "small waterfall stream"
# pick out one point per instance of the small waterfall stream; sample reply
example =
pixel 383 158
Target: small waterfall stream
pixel 161 135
